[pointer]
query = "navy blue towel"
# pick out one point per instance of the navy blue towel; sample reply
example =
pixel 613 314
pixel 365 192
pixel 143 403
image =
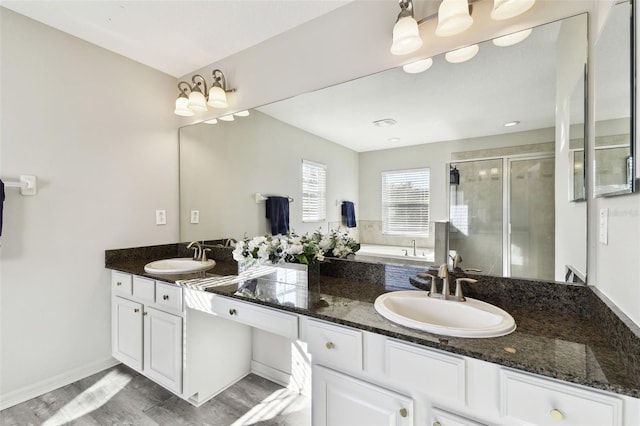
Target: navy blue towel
pixel 278 214
pixel 1 203
pixel 349 213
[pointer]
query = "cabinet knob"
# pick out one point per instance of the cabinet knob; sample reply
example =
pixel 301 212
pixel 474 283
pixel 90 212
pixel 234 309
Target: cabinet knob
pixel 330 345
pixel 404 412
pixel 144 313
pixel 165 297
pixel 118 283
pixel 136 310
pixel 437 424
pixel 556 415
pixel 232 311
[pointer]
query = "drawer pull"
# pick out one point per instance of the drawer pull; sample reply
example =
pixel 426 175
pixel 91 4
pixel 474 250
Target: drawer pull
pixel 118 283
pixel 136 310
pixel 232 311
pixel 404 412
pixel 165 297
pixel 330 345
pixel 556 415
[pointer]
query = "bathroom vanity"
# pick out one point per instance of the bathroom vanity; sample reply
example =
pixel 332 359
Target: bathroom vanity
pixel 555 368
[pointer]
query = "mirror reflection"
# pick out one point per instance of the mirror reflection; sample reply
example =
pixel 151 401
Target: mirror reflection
pixel 613 152
pixel 388 142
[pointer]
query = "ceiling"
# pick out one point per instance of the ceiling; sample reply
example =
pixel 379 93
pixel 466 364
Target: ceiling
pixel 175 37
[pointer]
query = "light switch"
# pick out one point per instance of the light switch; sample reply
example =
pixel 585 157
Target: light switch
pixel 604 226
pixel 195 216
pixel 161 217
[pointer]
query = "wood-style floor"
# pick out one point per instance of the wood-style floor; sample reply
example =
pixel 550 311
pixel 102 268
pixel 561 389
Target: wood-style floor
pixel 120 396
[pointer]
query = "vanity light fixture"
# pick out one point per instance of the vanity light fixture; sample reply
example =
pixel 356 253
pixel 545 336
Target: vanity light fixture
pixel 511 39
pixel 418 66
pixel 453 18
pixel 506 9
pixel 406 36
pixel 462 55
pixel 197 97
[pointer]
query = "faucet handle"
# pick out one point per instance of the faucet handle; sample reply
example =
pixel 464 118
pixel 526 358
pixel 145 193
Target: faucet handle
pixel 459 296
pixel 203 257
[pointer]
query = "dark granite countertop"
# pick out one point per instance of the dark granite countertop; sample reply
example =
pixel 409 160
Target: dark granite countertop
pixel 563 345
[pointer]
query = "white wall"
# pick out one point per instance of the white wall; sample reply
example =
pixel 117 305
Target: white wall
pixel 224 165
pixel 98 131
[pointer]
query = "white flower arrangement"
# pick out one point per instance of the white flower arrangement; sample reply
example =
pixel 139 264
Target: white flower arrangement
pixel 293 248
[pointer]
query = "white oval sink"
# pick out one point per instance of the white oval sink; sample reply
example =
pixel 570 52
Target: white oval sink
pixel 178 265
pixel 472 318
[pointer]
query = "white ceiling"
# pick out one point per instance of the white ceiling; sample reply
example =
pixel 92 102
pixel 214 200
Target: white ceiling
pixel 175 37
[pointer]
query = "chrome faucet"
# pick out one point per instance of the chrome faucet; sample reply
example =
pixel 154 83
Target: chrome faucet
pixel 197 250
pixel 459 296
pixel 443 274
pixel 230 242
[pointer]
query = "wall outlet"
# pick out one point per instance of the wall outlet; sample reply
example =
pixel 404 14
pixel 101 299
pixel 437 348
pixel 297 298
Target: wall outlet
pixel 161 217
pixel 195 216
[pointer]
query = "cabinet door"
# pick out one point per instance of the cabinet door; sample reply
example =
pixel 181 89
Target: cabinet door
pixel 341 400
pixel 163 348
pixel 126 332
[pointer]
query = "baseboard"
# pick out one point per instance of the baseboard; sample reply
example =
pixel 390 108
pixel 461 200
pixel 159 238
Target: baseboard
pixel 28 392
pixel 270 373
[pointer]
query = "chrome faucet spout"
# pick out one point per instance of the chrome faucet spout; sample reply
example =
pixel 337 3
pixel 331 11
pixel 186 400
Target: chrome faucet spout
pixel 443 273
pixel 197 250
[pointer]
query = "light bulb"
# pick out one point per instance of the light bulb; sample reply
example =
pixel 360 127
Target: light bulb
pixel 182 107
pixel 506 9
pixel 217 98
pixel 197 102
pixel 453 18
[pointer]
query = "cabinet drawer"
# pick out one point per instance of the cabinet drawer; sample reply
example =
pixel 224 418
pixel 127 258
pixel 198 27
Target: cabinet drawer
pixel 121 283
pixel 442 418
pixel 168 297
pixel 335 346
pixel 438 374
pixel 266 319
pixel 539 401
pixel 144 289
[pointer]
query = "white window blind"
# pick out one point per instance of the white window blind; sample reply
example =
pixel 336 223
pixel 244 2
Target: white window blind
pixel 405 202
pixel 314 191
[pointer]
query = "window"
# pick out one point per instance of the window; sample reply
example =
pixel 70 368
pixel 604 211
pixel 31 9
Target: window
pixel 405 202
pixel 314 190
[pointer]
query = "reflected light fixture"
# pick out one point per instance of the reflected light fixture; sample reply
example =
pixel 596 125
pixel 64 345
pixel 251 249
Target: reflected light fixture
pixel 511 123
pixel 212 121
pixel 506 9
pixel 226 117
pixel 197 97
pixel 511 39
pixel 406 35
pixel 462 55
pixel 453 18
pixel 418 66
pixel 244 113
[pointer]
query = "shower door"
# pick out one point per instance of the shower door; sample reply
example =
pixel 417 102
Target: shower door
pixel 502 216
pixel 531 236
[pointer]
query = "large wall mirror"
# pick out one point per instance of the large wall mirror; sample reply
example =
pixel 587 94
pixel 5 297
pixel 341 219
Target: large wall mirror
pixel 509 121
pixel 613 154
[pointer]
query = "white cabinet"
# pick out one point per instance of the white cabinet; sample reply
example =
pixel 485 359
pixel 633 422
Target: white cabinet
pixel 341 400
pixel 126 332
pixel 144 337
pixel 163 348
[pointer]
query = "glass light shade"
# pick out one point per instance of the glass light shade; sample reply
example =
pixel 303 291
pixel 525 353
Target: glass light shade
pixel 212 121
pixel 244 113
pixel 217 98
pixel 197 102
pixel 462 55
pixel 453 18
pixel 418 66
pixel 511 39
pixel 182 107
pixel 226 117
pixel 505 9
pixel 406 36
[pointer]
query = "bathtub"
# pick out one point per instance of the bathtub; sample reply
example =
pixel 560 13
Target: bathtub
pixel 395 253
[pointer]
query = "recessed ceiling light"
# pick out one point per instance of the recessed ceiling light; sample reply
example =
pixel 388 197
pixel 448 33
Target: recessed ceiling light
pixel 511 123
pixel 385 122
